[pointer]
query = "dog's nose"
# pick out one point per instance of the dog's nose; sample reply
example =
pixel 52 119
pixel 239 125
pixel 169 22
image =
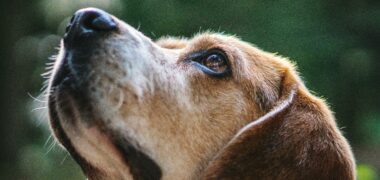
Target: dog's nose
pixel 89 21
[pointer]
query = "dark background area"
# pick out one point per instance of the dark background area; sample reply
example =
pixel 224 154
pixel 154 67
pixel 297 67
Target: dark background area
pixel 336 45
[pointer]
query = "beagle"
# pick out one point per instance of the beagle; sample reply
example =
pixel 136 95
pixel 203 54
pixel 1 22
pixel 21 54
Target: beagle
pixel 209 107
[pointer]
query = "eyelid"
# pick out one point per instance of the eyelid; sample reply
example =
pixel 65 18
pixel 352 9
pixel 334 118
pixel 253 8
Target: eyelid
pixel 198 55
pixel 209 71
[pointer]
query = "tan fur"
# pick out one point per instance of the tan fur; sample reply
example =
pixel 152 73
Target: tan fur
pixel 258 123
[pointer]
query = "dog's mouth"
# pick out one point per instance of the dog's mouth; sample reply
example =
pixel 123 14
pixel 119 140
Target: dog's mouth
pixel 100 151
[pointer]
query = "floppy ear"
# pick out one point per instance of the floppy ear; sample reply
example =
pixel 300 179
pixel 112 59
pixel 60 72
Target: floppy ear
pixel 296 139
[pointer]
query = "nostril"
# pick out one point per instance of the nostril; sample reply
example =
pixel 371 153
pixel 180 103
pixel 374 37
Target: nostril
pixel 89 22
pixel 98 21
pixel 72 19
pixel 68 27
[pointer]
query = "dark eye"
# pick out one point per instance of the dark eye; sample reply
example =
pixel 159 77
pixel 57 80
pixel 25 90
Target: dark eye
pixel 213 62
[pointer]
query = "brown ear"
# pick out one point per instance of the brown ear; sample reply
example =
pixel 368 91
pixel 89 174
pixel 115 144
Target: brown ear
pixel 296 139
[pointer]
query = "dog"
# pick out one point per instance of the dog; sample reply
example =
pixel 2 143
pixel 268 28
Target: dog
pixel 209 107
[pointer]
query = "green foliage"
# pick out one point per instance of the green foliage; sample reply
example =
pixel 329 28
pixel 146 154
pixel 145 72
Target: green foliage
pixel 366 172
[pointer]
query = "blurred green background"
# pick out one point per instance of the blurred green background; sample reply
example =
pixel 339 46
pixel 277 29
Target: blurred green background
pixel 336 45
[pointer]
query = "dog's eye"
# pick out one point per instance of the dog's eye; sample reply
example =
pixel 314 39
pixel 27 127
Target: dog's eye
pixel 213 62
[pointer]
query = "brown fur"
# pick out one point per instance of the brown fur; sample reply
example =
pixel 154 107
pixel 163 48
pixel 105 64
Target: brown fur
pixel 299 142
pixel 145 100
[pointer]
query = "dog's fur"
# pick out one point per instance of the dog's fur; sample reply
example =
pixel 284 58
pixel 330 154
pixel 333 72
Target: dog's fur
pixel 138 109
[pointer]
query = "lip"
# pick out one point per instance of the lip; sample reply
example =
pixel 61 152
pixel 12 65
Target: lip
pixel 70 73
pixel 60 134
pixel 63 74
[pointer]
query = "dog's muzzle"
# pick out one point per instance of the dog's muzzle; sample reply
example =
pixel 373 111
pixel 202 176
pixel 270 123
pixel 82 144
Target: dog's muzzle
pixel 70 103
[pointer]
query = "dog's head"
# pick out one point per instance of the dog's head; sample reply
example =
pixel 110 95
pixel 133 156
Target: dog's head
pixel 125 106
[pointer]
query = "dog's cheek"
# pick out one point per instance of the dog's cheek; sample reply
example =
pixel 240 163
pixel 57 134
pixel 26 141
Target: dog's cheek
pixel 221 108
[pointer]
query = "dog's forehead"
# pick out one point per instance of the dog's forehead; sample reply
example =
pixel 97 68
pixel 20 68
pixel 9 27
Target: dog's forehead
pixel 210 40
pixel 201 41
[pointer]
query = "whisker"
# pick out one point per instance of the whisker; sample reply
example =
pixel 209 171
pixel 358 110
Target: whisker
pixel 154 35
pixel 139 26
pixel 39 108
pixel 36 99
pixel 47 140
pixel 52 145
pixel 41 119
pixel 64 158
